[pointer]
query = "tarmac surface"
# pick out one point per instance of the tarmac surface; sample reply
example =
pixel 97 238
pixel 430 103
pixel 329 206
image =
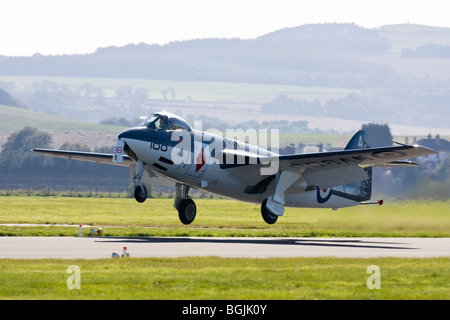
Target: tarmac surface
pixel 103 247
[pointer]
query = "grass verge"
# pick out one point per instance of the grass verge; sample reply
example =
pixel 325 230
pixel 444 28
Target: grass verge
pixel 223 278
pixel 218 217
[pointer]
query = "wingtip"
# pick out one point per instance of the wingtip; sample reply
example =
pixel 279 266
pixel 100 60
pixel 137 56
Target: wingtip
pixel 425 149
pixel 37 150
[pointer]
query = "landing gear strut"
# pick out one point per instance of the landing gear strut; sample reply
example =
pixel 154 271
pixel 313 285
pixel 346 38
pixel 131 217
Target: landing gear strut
pixel 186 207
pixel 140 191
pixel 273 206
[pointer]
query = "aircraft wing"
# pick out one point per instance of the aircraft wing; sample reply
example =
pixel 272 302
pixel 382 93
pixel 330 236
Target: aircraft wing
pixel 104 158
pixel 371 157
pixel 84 156
pixel 329 169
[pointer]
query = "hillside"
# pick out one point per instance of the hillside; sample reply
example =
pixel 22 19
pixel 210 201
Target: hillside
pixel 411 36
pixel 311 55
pixel 7 100
pixel 397 74
pixel 62 129
pixel 308 55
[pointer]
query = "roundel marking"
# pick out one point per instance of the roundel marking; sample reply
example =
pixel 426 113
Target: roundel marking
pixel 388 154
pixel 323 195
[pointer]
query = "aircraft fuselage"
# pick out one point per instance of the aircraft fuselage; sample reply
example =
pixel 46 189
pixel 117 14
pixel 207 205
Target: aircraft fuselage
pixel 213 174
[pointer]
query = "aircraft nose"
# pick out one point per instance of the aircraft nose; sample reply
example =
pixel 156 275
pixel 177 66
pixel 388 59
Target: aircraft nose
pixel 124 134
pixel 132 133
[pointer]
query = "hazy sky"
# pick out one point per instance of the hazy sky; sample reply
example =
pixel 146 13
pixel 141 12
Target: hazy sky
pixel 81 26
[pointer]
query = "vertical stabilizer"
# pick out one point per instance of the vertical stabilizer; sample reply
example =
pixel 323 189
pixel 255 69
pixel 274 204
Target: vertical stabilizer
pixel 359 141
pixel 357 191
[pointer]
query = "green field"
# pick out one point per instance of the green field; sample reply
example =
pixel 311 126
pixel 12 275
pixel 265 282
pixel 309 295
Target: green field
pixel 230 279
pixel 219 217
pixel 14 119
pixel 197 90
pixel 195 278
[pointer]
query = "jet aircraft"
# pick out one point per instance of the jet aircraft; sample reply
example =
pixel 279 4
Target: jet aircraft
pixel 166 146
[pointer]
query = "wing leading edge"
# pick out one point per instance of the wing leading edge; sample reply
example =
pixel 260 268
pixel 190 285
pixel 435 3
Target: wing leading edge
pixel 104 158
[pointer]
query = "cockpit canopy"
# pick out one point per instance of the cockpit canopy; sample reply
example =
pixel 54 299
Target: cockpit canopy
pixel 166 121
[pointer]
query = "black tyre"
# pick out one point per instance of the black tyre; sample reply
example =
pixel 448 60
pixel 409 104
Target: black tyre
pixel 268 216
pixel 140 194
pixel 187 211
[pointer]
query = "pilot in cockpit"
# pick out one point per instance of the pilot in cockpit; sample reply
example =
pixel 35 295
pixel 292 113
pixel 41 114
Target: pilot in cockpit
pixel 166 121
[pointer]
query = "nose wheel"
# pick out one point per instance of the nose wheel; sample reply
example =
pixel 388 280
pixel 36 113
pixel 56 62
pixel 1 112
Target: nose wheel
pixel 140 193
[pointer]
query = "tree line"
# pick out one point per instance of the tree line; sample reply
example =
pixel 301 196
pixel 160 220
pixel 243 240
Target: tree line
pixel 397 105
pixel 430 51
pixel 18 163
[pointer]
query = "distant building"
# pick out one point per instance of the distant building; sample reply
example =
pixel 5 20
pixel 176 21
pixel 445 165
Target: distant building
pixel 309 148
pixel 442 146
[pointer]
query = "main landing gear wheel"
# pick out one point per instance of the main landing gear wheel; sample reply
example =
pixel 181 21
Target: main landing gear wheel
pixel 268 216
pixel 140 193
pixel 187 211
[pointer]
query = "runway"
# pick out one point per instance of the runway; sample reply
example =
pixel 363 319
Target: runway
pixel 103 247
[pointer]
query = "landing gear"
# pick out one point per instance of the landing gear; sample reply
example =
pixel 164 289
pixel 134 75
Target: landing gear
pixel 185 206
pixel 273 206
pixel 187 211
pixel 268 216
pixel 140 191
